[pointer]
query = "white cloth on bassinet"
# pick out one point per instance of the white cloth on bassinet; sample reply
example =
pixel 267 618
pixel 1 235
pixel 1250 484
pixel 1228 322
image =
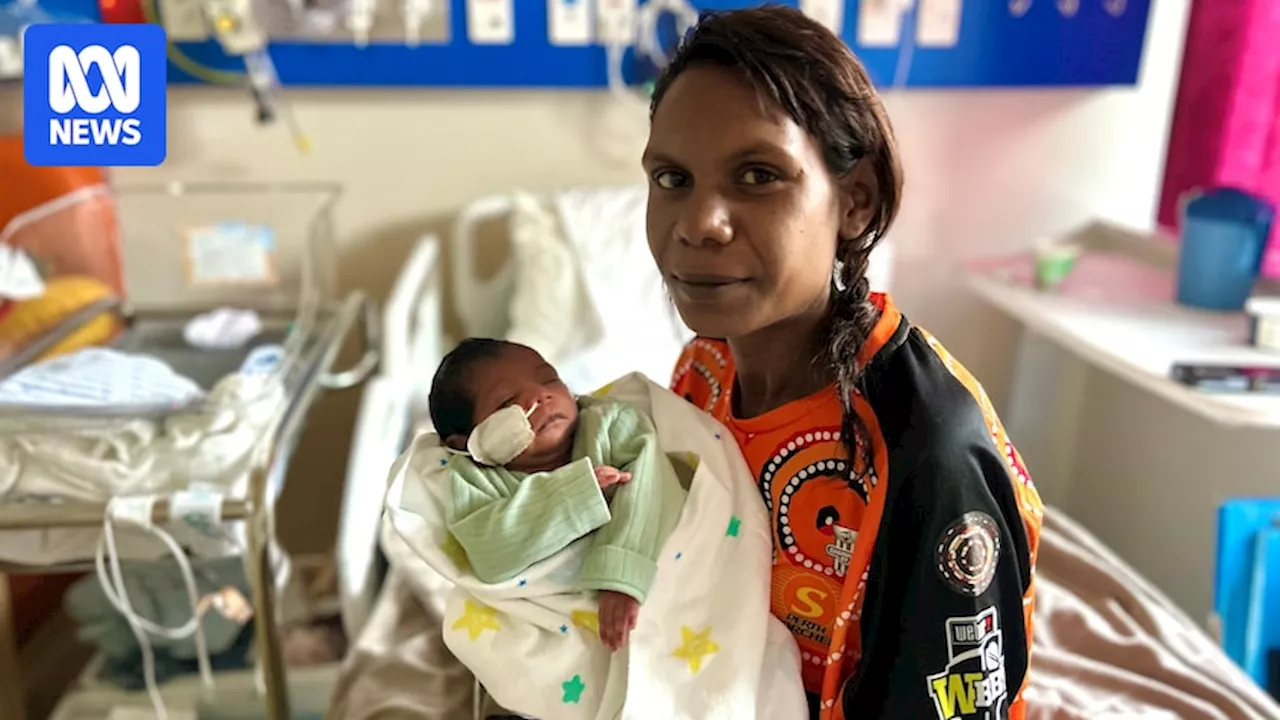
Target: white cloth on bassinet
pixel 96 376
pixel 705 645
pixel 207 449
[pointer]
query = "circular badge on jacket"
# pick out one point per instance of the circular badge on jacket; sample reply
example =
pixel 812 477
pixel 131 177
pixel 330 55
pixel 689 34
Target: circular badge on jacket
pixel 967 553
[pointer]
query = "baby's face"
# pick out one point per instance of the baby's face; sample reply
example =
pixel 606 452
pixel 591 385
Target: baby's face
pixel 519 376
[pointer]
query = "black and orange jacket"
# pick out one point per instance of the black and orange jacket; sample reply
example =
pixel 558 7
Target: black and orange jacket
pixel 910 591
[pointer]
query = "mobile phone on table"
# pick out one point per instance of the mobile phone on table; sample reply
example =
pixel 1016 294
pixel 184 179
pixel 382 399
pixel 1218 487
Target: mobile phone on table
pixel 1228 378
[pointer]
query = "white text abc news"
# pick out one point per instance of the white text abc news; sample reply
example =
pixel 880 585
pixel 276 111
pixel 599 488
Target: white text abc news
pixel 69 90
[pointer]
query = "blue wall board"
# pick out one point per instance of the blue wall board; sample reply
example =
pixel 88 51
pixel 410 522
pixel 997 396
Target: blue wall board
pixel 51 11
pixel 996 48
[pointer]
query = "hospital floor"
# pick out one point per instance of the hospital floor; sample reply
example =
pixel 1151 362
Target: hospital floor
pixel 52 658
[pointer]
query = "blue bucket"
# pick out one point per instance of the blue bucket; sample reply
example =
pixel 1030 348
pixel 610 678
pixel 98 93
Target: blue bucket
pixel 1224 235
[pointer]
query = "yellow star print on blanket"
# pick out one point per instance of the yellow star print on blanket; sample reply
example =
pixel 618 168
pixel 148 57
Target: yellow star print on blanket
pixel 455 552
pixel 695 646
pixel 477 618
pixel 586 620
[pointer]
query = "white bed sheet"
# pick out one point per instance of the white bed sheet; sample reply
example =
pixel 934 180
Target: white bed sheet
pixel 399 667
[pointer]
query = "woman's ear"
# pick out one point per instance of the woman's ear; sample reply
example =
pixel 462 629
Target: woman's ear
pixel 860 196
pixel 456 442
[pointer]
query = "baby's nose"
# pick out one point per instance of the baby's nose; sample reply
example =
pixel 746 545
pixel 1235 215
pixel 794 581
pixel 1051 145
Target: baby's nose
pixel 530 395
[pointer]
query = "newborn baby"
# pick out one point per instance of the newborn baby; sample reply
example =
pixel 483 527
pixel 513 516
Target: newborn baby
pixel 535 469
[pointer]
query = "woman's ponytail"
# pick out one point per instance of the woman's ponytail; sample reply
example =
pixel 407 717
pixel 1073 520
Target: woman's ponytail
pixel 850 319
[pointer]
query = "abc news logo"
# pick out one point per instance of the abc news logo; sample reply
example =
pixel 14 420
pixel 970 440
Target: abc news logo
pixel 94 94
pixel 120 90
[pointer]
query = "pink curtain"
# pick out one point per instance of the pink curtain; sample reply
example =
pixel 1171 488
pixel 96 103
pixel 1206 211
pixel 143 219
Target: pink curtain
pixel 1226 124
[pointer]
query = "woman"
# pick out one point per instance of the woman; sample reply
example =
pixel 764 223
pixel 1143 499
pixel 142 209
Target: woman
pixel 905 527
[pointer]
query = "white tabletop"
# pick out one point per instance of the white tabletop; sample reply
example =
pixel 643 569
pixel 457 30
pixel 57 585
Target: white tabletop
pixel 1123 320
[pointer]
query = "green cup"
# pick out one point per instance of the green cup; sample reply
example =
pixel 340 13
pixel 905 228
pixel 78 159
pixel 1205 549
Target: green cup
pixel 1053 265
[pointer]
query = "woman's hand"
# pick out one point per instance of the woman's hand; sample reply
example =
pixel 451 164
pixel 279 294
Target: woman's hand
pixel 607 476
pixel 618 613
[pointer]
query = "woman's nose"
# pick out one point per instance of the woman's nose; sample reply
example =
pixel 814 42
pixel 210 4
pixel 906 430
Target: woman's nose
pixel 705 220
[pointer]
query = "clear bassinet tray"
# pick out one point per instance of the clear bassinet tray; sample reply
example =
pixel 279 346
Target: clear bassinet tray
pixel 186 250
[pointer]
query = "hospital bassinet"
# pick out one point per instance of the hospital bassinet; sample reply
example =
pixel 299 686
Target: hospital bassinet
pixel 189 249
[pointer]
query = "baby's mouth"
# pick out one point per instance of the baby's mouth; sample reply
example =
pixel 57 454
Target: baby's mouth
pixel 547 421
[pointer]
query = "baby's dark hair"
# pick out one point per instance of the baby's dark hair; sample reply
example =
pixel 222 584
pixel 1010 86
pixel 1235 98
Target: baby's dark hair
pixel 452 402
pixel 799 67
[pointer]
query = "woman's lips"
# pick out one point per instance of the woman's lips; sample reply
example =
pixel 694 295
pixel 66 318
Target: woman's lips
pixel 695 278
pixel 701 287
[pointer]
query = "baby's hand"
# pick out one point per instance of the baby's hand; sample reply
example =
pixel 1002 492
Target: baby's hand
pixel 607 476
pixel 618 615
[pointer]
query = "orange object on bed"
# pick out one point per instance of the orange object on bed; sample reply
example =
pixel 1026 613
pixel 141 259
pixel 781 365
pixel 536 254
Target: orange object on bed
pixel 64 218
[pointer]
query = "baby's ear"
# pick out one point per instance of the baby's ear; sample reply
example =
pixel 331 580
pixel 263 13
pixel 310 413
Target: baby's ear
pixel 457 442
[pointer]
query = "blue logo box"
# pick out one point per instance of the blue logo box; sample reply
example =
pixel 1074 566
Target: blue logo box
pixel 94 95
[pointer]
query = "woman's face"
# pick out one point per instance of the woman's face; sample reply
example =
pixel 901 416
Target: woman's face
pixel 743 214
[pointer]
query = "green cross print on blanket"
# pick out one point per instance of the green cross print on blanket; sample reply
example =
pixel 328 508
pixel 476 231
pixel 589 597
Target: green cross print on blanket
pixel 705 646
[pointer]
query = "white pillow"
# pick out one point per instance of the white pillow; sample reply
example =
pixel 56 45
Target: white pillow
pixel 641 331
pixel 546 310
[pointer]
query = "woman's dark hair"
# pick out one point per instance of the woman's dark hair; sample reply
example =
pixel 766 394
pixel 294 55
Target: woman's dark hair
pixel 798 66
pixel 451 401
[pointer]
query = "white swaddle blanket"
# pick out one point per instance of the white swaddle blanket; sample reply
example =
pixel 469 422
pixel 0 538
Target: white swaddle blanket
pixel 705 645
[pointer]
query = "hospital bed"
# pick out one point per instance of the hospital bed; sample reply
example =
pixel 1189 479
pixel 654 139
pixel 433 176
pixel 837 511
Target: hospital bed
pixel 299 315
pixel 1108 644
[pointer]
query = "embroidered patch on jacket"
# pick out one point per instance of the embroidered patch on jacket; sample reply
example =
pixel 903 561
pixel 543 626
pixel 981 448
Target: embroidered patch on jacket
pixel 973 684
pixel 967 553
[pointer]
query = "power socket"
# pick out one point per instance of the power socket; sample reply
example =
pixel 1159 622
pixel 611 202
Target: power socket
pixel 491 22
pixel 569 22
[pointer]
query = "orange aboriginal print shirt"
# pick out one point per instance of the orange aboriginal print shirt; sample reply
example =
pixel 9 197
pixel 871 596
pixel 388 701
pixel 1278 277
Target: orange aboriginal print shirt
pixel 947 503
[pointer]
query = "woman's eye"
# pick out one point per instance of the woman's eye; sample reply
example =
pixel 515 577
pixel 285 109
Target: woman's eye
pixel 669 179
pixel 758 176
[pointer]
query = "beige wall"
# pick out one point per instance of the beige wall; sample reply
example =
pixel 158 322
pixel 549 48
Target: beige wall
pixel 987 171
